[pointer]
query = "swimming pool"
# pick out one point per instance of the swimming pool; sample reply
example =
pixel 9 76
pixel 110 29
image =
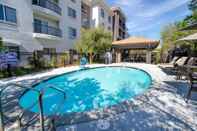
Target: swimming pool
pixel 88 89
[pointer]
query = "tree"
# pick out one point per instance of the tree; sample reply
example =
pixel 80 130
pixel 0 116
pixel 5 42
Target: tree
pixel 170 34
pixel 193 5
pixel 94 41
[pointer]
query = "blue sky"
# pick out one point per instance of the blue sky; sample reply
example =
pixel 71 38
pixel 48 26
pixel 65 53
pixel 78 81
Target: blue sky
pixel 147 17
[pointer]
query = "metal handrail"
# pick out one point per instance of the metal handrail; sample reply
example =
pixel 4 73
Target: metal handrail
pixel 46 29
pixel 57 89
pixel 5 86
pixel 49 5
pixel 20 116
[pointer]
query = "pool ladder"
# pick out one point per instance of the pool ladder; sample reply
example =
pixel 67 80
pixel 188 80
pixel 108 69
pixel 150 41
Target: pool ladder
pixel 21 115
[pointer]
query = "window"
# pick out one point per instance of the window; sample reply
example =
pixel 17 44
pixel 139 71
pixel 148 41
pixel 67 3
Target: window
pixel 37 25
pixel 41 26
pixel 74 1
pixel 1 12
pixel 10 14
pixel 102 13
pixel 109 19
pixel 72 32
pixel 35 2
pixel 72 13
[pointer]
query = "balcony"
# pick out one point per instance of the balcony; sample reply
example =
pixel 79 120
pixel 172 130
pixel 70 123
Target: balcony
pixel 48 30
pixel 85 23
pixel 48 5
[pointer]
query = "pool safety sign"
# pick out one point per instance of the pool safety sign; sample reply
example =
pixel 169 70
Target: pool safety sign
pixel 8 59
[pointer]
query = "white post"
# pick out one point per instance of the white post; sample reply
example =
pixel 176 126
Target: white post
pixel 118 56
pixel 148 56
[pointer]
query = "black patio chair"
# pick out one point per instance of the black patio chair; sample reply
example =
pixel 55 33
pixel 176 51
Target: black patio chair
pixel 182 69
pixel 192 76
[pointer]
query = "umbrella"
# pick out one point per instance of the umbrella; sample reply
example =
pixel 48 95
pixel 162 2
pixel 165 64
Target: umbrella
pixel 190 27
pixel 192 37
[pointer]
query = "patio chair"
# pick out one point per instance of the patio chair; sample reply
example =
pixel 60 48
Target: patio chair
pixel 174 60
pixel 182 70
pixel 179 66
pixel 171 64
pixel 192 84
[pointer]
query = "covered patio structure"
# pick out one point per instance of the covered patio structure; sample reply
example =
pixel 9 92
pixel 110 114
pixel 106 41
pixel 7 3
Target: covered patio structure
pixel 134 49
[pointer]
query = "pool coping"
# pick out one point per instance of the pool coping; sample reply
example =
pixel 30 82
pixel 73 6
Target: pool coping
pixel 95 114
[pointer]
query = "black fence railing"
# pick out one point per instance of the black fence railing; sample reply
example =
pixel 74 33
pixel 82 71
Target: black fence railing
pixel 48 4
pixel 45 29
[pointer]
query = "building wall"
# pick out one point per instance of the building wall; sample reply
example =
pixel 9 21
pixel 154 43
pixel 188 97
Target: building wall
pixel 119 29
pixel 95 16
pixel 22 33
pixel 99 20
pixel 85 15
pixel 96 19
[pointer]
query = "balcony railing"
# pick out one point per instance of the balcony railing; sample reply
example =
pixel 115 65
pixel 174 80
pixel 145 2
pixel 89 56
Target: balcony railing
pixel 47 4
pixel 45 29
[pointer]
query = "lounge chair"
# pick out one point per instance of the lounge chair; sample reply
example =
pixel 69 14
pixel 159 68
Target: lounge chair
pixel 193 84
pixel 179 66
pixel 171 64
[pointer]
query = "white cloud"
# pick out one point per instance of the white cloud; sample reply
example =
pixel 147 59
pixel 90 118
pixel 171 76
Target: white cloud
pixel 162 8
pixel 145 15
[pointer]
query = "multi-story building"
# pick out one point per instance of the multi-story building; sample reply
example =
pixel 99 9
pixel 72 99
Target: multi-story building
pixel 85 14
pixel 54 25
pixel 96 13
pixel 49 25
pixel 119 24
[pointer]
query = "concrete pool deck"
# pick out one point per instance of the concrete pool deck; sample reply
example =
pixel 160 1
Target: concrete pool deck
pixel 161 108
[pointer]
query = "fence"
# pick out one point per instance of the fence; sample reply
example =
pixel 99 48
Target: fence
pixel 27 62
pixel 43 60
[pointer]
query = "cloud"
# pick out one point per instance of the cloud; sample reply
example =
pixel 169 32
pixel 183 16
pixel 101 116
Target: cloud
pixel 162 8
pixel 127 2
pixel 147 15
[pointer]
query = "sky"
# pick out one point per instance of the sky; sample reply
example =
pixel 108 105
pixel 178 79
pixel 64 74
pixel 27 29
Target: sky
pixel 147 17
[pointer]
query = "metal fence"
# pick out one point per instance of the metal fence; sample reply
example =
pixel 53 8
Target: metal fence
pixel 48 4
pixel 43 60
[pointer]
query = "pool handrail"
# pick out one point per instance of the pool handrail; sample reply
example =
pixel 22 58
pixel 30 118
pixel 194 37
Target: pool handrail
pixel 5 86
pixel 57 89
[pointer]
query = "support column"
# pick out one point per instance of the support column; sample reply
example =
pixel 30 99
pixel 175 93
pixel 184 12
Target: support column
pixel 148 56
pixel 118 56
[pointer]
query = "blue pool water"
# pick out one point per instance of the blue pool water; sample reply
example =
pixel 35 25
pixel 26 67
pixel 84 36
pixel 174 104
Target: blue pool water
pixel 88 89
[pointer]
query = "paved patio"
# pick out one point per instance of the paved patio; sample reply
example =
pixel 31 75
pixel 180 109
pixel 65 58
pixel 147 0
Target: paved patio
pixel 161 108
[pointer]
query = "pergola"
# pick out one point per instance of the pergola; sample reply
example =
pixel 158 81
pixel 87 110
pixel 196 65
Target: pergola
pixel 135 44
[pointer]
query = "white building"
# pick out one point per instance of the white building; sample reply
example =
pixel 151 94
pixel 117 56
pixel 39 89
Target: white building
pixel 98 13
pixel 49 25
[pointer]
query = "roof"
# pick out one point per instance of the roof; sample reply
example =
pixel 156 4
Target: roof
pixel 192 37
pixel 136 43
